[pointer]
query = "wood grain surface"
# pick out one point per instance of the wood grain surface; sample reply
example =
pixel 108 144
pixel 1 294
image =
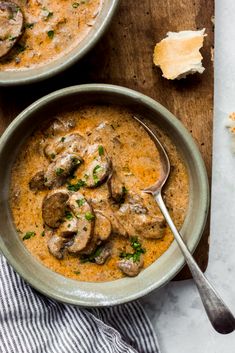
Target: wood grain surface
pixel 124 57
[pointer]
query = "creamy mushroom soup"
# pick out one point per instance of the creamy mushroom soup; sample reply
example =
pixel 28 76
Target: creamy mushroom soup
pixel 77 194
pixel 36 32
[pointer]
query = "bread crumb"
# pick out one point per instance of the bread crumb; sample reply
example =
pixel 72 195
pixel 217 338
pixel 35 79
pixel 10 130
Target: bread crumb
pixel 231 127
pixel 178 55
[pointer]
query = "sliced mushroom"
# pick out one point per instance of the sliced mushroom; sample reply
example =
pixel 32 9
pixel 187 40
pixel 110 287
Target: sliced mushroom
pixel 103 206
pixel 104 254
pixel 74 143
pixel 152 227
pixel 117 226
pixel 99 166
pixel 69 226
pixel 59 170
pixel 11 26
pixel 91 245
pixel 140 216
pixel 129 267
pixel 103 227
pixel 102 231
pixel 53 207
pixel 136 204
pixel 116 188
pixel 136 208
pixel 86 221
pixel 56 245
pixel 62 237
pixel 58 126
pixel 37 181
pixel 81 239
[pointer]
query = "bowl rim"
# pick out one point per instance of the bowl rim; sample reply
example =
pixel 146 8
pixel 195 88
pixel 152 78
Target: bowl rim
pixel 59 67
pixel 191 145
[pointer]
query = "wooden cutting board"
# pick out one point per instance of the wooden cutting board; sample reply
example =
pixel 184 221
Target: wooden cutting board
pixel 124 57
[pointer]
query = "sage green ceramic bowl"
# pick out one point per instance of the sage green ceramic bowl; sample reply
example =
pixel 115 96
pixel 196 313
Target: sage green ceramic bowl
pixel 122 290
pixel 19 77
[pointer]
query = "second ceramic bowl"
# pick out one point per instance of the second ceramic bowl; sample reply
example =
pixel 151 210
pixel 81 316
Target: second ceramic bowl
pixel 125 289
pixel 35 74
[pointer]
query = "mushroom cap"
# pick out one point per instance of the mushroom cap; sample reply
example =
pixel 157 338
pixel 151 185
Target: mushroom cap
pixel 11 26
pixel 53 207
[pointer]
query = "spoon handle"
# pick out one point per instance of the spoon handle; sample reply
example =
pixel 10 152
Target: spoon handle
pixel 220 316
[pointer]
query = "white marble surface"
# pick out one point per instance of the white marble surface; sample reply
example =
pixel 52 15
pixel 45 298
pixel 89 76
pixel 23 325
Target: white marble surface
pixel 176 310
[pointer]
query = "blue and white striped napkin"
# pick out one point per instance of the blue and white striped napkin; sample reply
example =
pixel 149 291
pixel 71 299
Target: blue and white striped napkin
pixel 32 323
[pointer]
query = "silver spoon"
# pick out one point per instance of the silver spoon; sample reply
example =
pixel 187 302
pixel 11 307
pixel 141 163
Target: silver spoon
pixel 218 313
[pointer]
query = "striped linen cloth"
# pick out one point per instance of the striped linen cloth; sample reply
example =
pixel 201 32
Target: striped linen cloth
pixel 32 323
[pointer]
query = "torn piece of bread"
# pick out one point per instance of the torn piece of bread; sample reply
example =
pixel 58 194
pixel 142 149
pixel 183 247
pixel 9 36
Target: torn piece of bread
pixel 178 54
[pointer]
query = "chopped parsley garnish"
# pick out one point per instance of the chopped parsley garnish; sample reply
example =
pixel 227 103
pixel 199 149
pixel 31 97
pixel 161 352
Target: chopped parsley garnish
pixel 101 150
pixel 68 215
pixel 96 170
pixel 75 5
pixel 46 13
pixel 59 171
pixel 12 38
pixel 77 272
pixel 138 250
pixel 62 139
pixel 20 47
pixel 80 202
pixel 124 190
pixel 91 258
pixel 52 155
pixel 43 234
pixel 29 25
pixel 29 235
pixel 51 34
pixel 96 179
pixel 77 186
pixel 75 160
pixel 89 216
